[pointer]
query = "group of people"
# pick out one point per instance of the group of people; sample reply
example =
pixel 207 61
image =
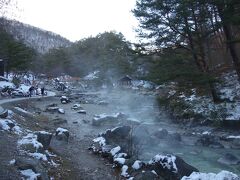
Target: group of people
pixel 32 89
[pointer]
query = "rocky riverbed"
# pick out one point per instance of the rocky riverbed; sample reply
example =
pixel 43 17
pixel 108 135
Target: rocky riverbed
pixel 75 120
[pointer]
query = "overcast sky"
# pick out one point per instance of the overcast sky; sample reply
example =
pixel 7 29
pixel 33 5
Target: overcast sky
pixel 77 19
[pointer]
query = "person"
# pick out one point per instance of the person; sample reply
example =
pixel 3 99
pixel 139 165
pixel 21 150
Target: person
pixel 31 89
pixel 42 91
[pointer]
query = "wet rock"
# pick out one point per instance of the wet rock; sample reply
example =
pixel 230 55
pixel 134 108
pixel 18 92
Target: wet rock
pixel 61 111
pixel 161 134
pixel 62 134
pixel 147 175
pixel 24 163
pixel 209 141
pixel 235 144
pixel 229 159
pixel 44 138
pixel 176 137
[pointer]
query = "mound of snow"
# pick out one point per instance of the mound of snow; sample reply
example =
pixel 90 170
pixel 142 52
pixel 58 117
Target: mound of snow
pixel 30 174
pixel 223 175
pixel 4 84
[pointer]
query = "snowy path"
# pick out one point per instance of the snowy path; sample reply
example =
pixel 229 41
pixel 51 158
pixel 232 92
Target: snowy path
pixel 3 101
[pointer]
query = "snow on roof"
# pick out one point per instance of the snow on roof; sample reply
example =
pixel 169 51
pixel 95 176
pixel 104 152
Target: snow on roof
pixel 223 175
pixel 167 161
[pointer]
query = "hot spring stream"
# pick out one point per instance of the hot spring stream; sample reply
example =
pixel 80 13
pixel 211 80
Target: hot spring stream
pixel 144 108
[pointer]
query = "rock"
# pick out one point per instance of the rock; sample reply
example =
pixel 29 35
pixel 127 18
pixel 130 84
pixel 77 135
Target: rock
pixel 30 144
pixel 147 175
pixel 76 107
pixel 229 159
pixel 235 144
pixel 175 137
pixel 4 114
pixel 104 119
pixel 44 138
pixel 59 121
pixel 170 167
pixel 61 111
pixel 62 134
pixel 74 122
pixel 121 132
pixel 82 112
pixel 209 141
pixel 161 134
pixel 24 163
pixel 64 100
pixel 52 109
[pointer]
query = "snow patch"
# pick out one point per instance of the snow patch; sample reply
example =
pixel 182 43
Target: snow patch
pixel 167 161
pixel 124 171
pixel 115 150
pixel 223 175
pixel 137 165
pixel 101 140
pixel 30 139
pixel 30 174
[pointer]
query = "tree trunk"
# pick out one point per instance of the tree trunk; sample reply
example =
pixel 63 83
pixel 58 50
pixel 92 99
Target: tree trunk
pixel 232 49
pixel 229 38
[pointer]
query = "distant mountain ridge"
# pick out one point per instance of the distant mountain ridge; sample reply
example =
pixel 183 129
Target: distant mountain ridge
pixel 36 38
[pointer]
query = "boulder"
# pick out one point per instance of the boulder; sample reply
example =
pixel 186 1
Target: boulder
pixel 64 100
pixel 161 134
pixel 176 137
pixel 209 141
pixel 4 114
pixel 170 167
pixel 44 138
pixel 24 163
pixel 121 132
pixel 62 134
pixel 229 159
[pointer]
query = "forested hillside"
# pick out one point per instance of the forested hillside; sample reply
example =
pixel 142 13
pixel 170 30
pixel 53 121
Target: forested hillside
pixel 36 38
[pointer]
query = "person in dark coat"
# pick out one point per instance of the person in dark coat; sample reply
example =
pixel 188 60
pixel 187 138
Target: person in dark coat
pixel 42 91
pixel 31 89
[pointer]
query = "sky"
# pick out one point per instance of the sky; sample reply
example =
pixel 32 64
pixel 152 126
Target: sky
pixel 78 19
